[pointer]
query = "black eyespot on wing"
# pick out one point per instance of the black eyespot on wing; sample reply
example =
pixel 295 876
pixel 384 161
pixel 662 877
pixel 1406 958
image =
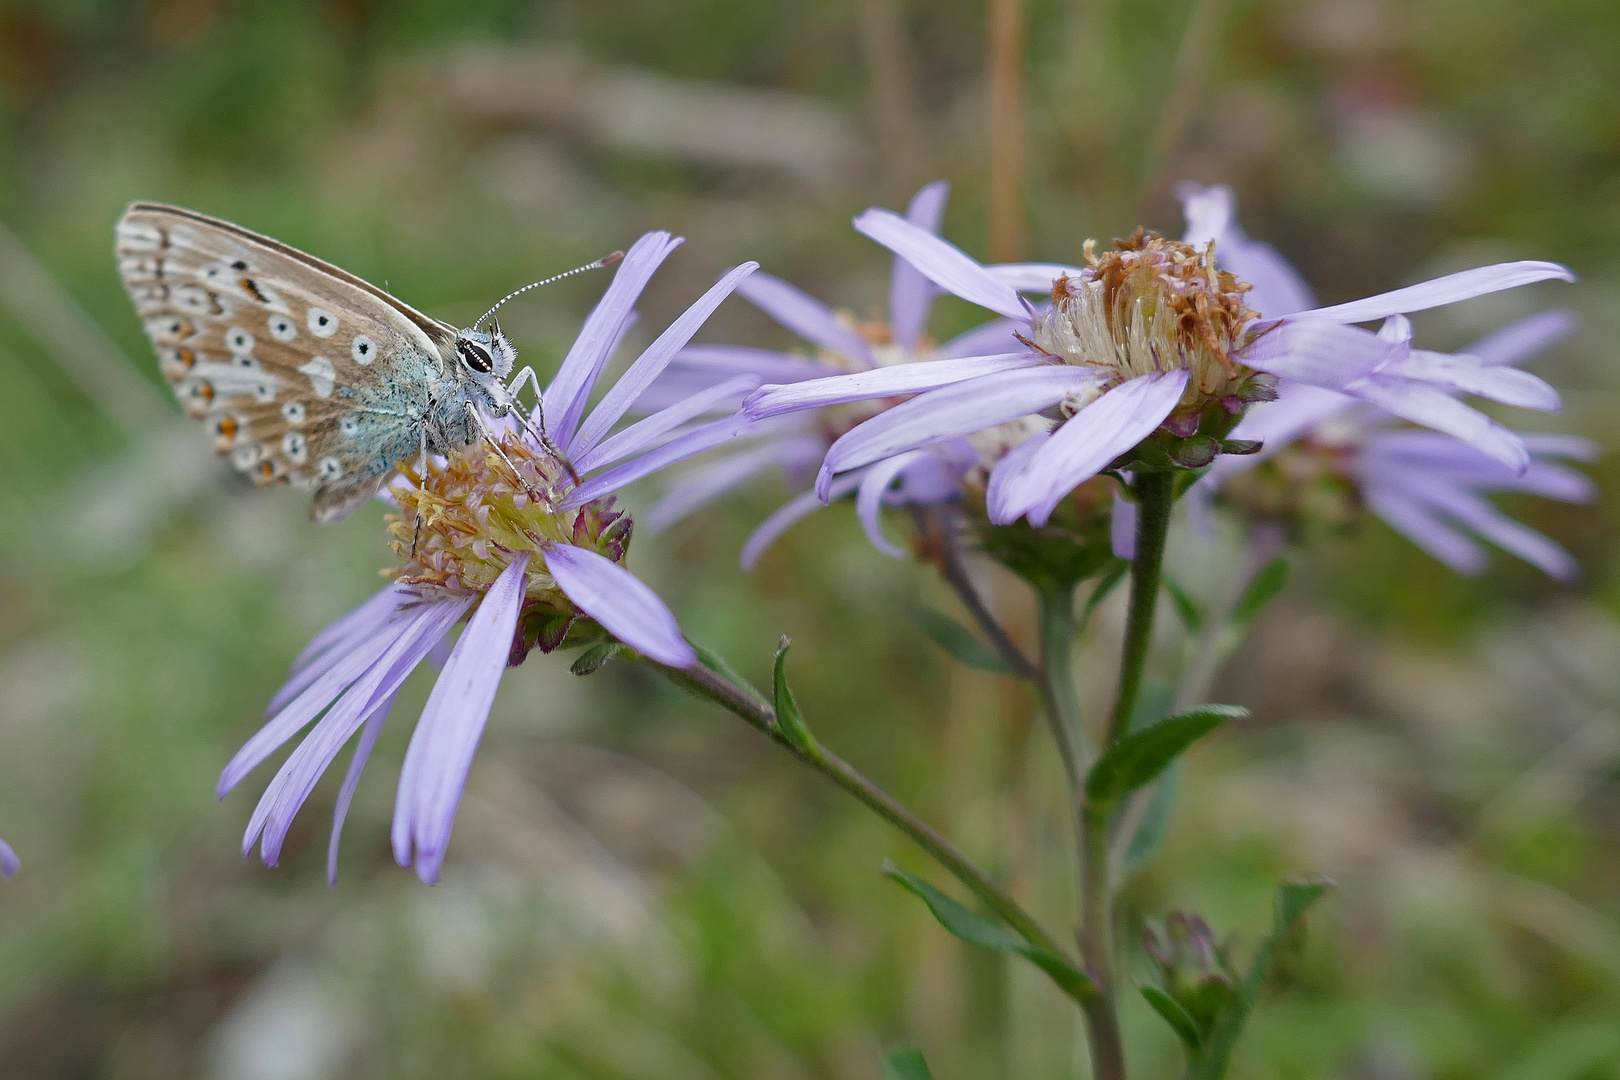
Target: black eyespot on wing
pixel 475 357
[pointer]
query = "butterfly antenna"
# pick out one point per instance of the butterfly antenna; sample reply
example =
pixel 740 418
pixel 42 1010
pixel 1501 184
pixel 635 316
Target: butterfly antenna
pixel 607 260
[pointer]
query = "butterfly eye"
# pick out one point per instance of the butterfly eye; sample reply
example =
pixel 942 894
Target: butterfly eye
pixel 475 357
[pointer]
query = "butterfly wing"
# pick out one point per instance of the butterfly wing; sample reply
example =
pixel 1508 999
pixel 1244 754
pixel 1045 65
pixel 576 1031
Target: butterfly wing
pixel 304 373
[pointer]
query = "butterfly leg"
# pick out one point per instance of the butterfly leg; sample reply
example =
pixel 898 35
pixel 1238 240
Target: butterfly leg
pixel 477 424
pixel 421 482
pixel 540 411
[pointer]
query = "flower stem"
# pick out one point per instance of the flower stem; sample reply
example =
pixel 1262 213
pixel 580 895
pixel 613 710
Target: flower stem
pixel 1154 493
pixel 1059 699
pixel 712 686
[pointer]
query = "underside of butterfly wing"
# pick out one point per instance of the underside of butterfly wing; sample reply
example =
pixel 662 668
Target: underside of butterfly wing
pixel 303 373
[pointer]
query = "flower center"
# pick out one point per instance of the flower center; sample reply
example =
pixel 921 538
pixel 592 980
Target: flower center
pixel 464 523
pixel 1308 485
pixel 1151 305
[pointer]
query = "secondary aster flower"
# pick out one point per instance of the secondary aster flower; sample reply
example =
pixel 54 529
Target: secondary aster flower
pixel 1158 334
pixel 843 346
pixel 9 863
pixel 1325 453
pixel 519 537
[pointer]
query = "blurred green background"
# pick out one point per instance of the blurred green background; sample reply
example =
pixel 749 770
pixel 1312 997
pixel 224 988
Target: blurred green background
pixel 640 887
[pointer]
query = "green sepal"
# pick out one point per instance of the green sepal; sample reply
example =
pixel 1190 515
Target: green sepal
pixel 596 657
pixel 1174 1015
pixel 1261 591
pixel 789 720
pixel 1143 753
pixel 987 933
pixel 905 1063
pixel 962 644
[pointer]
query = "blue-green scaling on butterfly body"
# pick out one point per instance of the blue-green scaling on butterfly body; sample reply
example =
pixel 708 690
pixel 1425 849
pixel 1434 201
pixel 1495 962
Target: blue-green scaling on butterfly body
pixel 306 374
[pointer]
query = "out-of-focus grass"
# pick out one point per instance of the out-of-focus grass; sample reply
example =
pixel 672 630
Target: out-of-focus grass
pixel 639 887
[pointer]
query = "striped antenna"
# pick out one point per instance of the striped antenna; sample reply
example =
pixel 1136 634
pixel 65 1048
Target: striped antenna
pixel 607 260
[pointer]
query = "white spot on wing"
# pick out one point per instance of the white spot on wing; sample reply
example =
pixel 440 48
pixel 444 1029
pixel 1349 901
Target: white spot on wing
pixel 322 323
pixel 283 328
pixel 239 340
pixel 329 469
pixel 363 349
pixel 320 373
pixel 139 236
pixel 245 456
pixel 293 412
pixel 294 446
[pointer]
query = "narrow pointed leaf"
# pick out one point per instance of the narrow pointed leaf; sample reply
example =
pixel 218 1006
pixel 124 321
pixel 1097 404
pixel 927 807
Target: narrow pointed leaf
pixel 722 667
pixel 905 1063
pixel 1115 574
pixel 1174 1015
pixel 1143 753
pixel 1262 590
pixel 987 933
pixel 1155 824
pixel 963 644
pixel 1192 616
pixel 789 720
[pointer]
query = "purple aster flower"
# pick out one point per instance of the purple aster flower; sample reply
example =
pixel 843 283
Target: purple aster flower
pixel 859 370
pixel 1428 486
pixel 1160 335
pixel 9 863
pixel 521 538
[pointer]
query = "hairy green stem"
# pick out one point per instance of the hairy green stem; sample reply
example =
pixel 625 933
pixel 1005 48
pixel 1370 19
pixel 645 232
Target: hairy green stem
pixel 712 686
pixel 1155 491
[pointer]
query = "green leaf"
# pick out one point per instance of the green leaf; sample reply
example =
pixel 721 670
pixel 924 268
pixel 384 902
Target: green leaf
pixel 595 657
pixel 1116 574
pixel 1152 702
pixel 789 720
pixel 987 933
pixel 1291 901
pixel 1261 591
pixel 1155 823
pixel 1192 616
pixel 1174 1015
pixel 718 664
pixel 1143 753
pixel 905 1063
pixel 962 644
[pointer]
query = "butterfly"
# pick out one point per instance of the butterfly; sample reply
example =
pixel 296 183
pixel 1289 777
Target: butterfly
pixel 304 373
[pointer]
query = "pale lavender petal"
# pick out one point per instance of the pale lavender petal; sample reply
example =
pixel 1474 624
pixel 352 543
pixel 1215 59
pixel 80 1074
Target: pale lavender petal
pixel 1432 454
pixel 1322 354
pixel 791 513
pixel 699 439
pixel 1006 471
pixel 1519 341
pixel 1090 439
pixel 441 749
pixel 1031 277
pixel 769 365
pixel 336 640
pixel 565 398
pixel 298 775
pixel 644 433
pixel 943 263
pixel 806 316
pixel 1463 375
pixel 9 863
pixel 356 660
pixel 702 486
pixel 376 610
pixel 898 381
pixel 617 401
pixel 1436 409
pixel 1397 330
pixel 953 411
pixel 1277 289
pixel 1122 527
pixel 625 606
pixel 991 339
pixel 1511 536
pixel 1554 444
pixel 1208 211
pixel 351 781
pixel 936 477
pixel 910 294
pixel 1442 290
pixel 869 499
pixel 1415 522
